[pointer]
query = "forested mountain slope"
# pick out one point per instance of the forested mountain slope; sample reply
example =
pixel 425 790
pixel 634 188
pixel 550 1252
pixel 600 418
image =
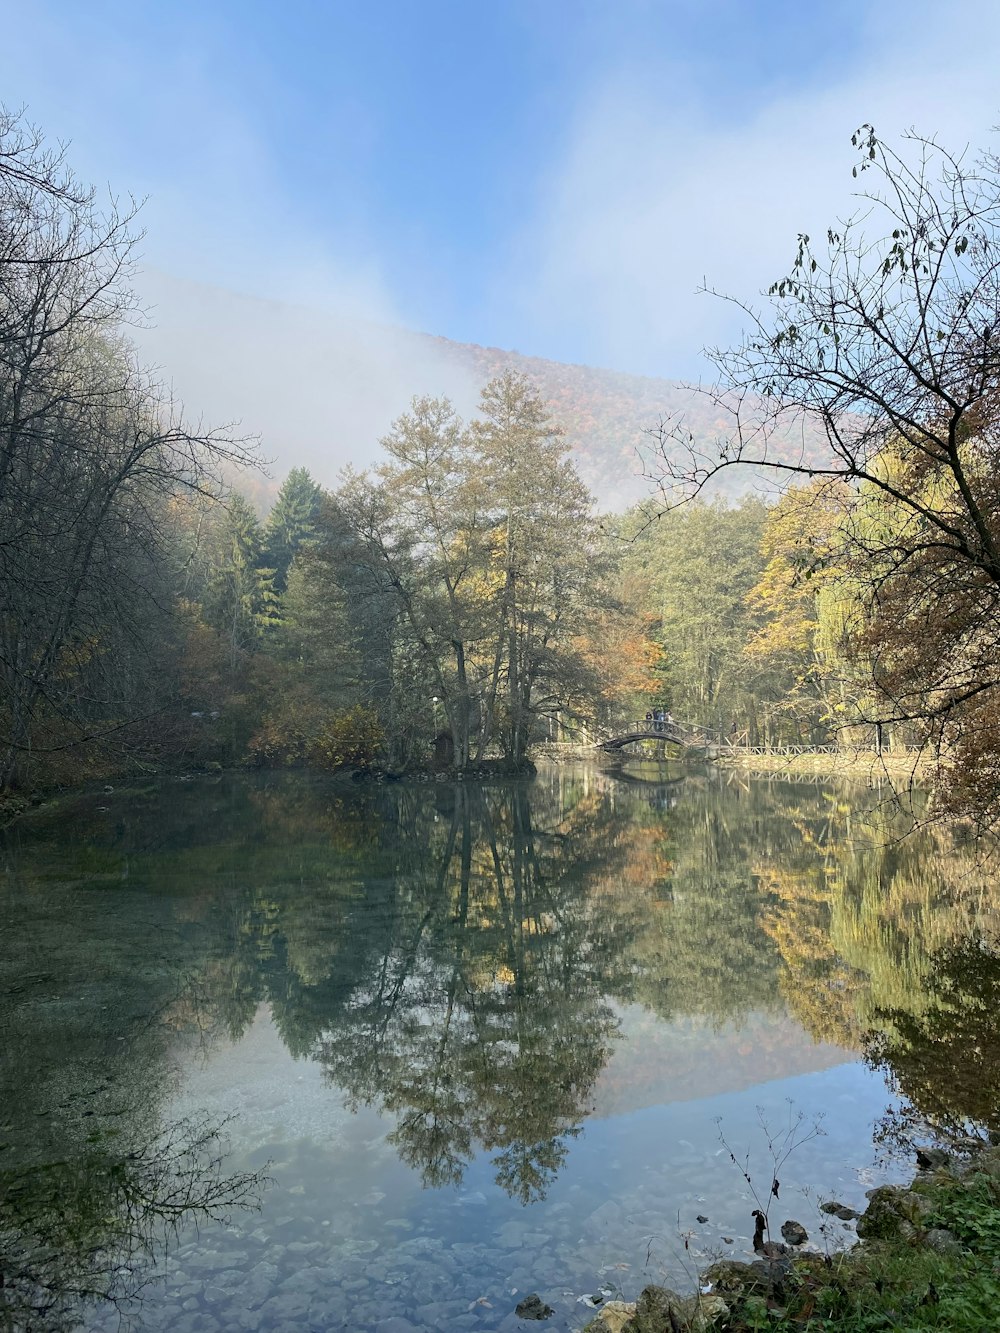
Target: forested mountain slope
pixel 607 416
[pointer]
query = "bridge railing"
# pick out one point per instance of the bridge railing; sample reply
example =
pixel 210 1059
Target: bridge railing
pixel 790 750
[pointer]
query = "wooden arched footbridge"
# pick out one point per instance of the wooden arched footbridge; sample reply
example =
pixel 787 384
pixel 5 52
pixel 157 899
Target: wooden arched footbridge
pixel 685 735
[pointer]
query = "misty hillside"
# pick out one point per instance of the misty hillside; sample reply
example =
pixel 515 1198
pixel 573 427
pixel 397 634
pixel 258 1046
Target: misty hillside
pixel 606 415
pixel 333 384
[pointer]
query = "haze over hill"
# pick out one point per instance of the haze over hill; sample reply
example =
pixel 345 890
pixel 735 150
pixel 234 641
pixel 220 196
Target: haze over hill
pixel 608 416
pixel 321 389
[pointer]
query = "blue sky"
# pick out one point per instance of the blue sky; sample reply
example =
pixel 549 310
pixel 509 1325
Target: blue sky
pixel 556 176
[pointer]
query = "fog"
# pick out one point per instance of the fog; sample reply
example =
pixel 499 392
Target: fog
pixel 319 387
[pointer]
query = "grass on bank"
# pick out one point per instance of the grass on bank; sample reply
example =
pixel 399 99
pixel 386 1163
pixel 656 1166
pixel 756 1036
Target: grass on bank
pixel 864 765
pixel 900 1282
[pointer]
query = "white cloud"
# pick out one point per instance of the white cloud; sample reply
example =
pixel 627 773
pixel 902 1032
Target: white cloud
pixel 654 195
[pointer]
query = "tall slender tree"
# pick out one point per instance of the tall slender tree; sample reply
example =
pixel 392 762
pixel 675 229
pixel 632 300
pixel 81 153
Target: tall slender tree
pixel 291 522
pixel 545 557
pixel 241 597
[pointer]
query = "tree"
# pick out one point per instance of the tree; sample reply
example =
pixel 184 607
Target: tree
pixel 547 561
pixel 241 597
pixel 887 339
pixel 421 523
pixel 798 605
pixel 322 712
pixel 619 650
pixel 484 540
pixel 291 522
pixel 91 455
pixel 700 565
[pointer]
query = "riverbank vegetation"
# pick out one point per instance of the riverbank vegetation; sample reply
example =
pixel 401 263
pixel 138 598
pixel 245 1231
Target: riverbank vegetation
pixel 885 336
pixel 460 591
pixel 928 1260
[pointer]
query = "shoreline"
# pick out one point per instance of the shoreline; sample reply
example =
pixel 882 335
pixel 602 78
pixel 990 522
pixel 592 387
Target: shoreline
pixel 16 805
pixel 926 1257
pixel 863 765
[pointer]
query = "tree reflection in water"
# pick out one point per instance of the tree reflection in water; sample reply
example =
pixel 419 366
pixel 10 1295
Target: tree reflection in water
pixel 891 947
pixel 96 1176
pixel 469 985
pixel 480 1017
pixel 90 1228
pixel 458 957
pixel 945 1055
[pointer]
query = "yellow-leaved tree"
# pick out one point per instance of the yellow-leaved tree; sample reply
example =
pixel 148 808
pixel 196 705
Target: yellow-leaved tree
pixel 802 607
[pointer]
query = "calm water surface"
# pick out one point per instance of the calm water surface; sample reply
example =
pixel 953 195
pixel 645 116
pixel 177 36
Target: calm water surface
pixel 480 1042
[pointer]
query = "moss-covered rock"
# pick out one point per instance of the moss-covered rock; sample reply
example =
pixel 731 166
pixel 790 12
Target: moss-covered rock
pixel 943 1241
pixel 986 1163
pixel 732 1277
pixel 660 1310
pixel 613 1317
pixel 893 1214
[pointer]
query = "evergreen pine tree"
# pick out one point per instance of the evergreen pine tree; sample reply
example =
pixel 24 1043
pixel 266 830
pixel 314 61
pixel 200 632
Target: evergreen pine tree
pixel 242 600
pixel 291 523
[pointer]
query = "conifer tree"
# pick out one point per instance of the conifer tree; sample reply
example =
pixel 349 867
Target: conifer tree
pixel 291 523
pixel 242 601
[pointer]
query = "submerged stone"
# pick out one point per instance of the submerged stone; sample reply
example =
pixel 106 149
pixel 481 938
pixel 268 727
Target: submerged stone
pixel 533 1307
pixel 287 1305
pixel 395 1324
pixel 840 1210
pixel 614 1317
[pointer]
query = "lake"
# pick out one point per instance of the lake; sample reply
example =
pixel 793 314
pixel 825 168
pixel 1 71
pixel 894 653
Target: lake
pixel 455 1044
